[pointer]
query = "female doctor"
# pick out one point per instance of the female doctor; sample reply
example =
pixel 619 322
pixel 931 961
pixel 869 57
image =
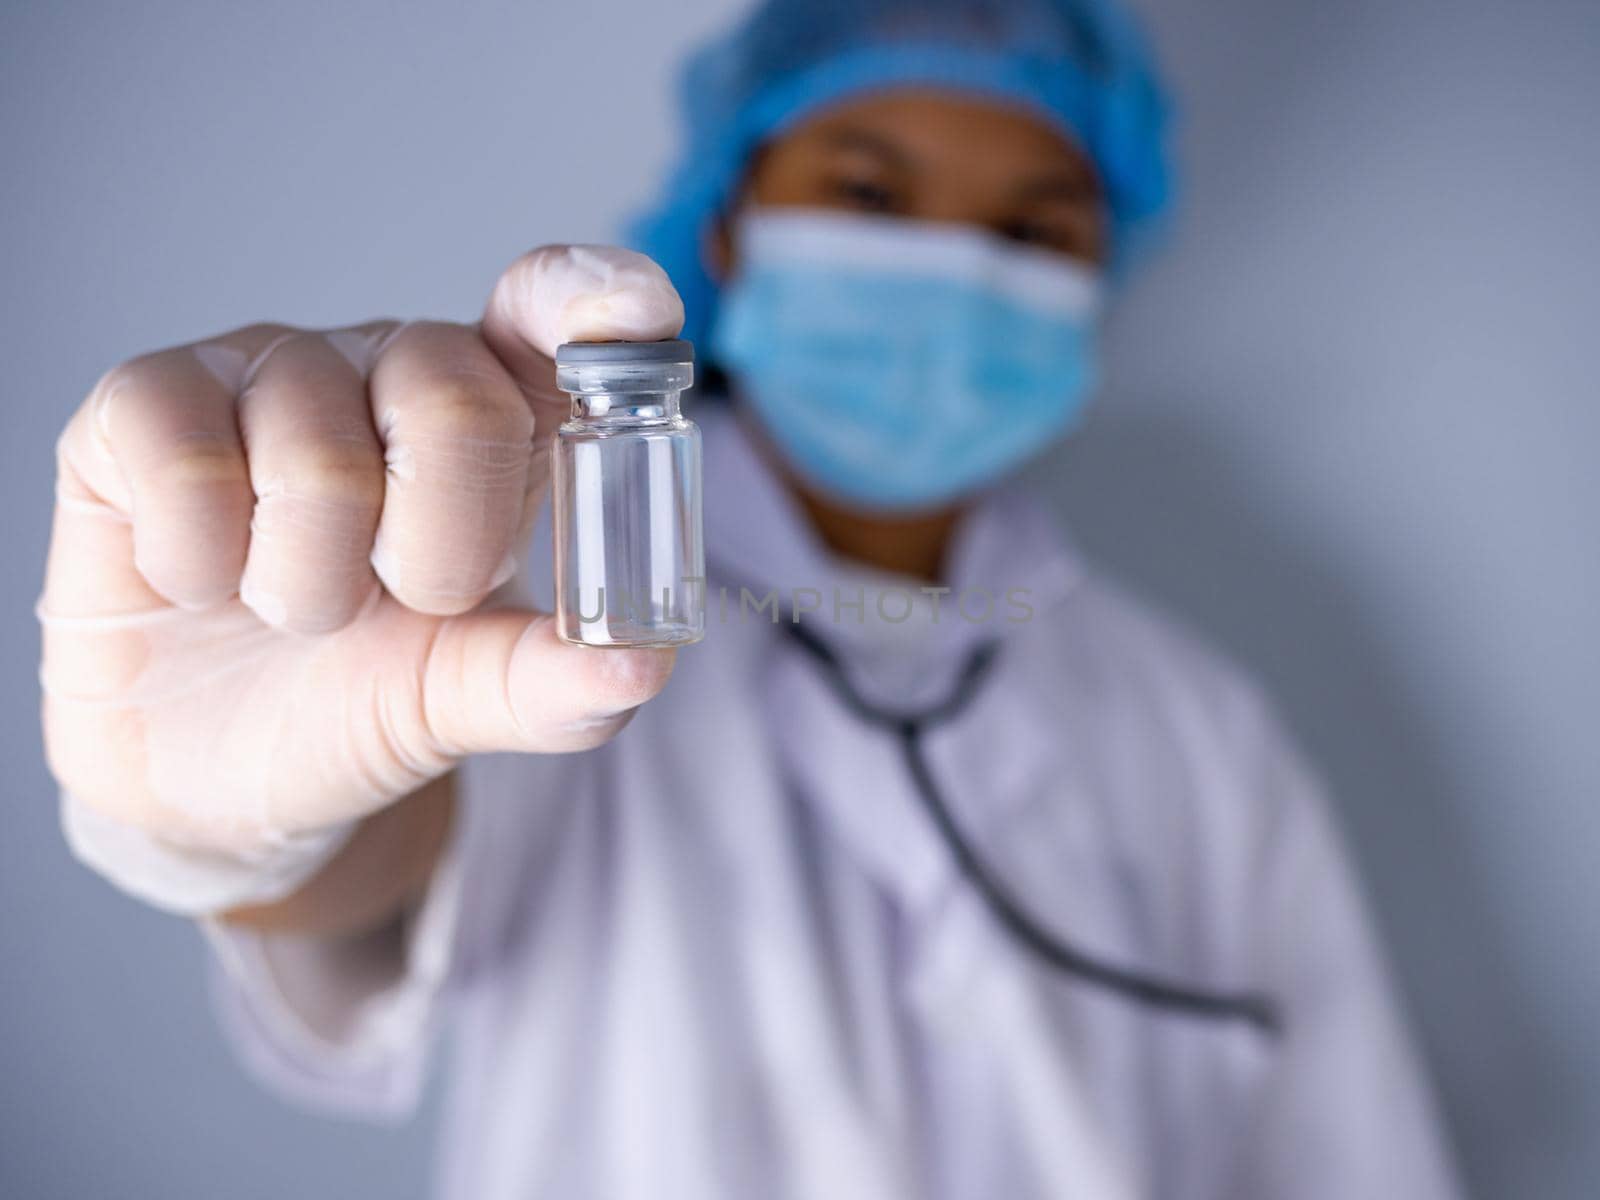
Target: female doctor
pixel 894 892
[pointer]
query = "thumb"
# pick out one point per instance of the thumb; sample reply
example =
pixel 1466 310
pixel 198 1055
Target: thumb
pixel 557 294
pixel 502 681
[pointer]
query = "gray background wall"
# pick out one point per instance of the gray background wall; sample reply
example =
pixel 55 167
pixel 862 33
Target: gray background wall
pixel 1350 433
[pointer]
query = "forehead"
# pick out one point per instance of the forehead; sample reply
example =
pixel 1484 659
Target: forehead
pixel 930 128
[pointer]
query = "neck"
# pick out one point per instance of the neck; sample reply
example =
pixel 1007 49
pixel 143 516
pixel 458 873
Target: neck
pixel 906 545
pixel 912 544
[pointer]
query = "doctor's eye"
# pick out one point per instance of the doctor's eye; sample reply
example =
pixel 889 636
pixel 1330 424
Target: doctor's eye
pixel 1076 238
pixel 865 195
pixel 1033 233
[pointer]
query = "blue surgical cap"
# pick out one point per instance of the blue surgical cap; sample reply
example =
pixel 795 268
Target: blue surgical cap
pixel 1081 64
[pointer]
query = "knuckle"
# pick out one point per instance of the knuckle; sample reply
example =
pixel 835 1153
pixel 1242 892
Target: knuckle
pixel 459 408
pixel 334 472
pixel 427 331
pixel 428 347
pixel 292 364
pixel 286 341
pixel 202 462
pixel 440 381
pixel 129 384
pixel 259 331
pixel 151 428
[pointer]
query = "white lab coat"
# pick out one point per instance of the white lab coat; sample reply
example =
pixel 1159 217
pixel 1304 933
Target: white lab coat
pixel 728 956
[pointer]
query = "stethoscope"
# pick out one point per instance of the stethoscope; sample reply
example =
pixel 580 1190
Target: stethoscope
pixel 908 727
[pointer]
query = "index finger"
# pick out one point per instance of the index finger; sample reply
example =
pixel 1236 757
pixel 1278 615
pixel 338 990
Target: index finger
pixel 557 294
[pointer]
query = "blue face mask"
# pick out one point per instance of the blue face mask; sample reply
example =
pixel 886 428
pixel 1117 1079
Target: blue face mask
pixel 900 364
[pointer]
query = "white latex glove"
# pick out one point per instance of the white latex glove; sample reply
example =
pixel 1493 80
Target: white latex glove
pixel 262 612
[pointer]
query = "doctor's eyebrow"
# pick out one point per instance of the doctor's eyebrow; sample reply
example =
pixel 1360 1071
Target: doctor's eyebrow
pixel 871 143
pixel 1074 184
pixel 1070 181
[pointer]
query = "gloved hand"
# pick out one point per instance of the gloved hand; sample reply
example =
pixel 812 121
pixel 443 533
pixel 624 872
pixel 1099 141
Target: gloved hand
pixel 263 612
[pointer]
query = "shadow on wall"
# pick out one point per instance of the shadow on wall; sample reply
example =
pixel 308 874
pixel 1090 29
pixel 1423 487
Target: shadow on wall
pixel 1162 504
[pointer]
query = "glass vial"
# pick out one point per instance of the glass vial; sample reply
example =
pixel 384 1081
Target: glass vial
pixel 630 563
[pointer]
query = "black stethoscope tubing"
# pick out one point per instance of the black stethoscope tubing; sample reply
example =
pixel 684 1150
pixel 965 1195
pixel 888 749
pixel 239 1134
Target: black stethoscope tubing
pixel 1254 1008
